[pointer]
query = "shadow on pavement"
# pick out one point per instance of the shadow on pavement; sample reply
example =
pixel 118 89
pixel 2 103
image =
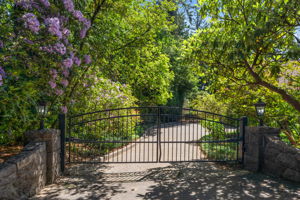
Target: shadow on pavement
pixel 209 181
pixel 186 181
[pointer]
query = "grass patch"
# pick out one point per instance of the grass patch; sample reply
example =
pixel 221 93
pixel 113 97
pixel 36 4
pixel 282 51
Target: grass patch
pixel 218 151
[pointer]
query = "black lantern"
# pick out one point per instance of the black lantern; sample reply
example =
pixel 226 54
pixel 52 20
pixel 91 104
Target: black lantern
pixel 260 110
pixel 42 111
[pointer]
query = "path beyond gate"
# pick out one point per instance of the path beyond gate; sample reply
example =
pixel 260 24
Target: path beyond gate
pixel 151 134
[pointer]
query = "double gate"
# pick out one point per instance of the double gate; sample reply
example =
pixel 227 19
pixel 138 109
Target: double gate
pixel 151 134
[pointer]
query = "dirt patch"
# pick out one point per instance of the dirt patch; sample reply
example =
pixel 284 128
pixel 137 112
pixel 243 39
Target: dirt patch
pixel 8 151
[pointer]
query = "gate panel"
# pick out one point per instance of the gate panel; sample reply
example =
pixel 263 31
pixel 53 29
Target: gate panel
pixel 115 135
pixel 152 134
pixel 192 135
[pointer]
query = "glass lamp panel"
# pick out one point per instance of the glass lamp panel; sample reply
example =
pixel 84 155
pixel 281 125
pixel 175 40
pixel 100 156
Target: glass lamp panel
pixel 260 110
pixel 41 110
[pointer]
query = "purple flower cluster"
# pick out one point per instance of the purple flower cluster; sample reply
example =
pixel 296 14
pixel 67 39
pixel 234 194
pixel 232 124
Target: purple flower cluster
pixel 53 73
pixel 66 32
pixel 77 61
pixel 52 84
pixel 1 44
pixel 25 4
pixel 82 33
pixel 64 109
pixel 45 3
pixel 56 48
pixel 60 48
pixel 78 15
pixel 86 27
pixel 53 25
pixel 47 49
pixel 68 63
pixel 31 22
pixel 1 80
pixel 66 73
pixel 2 75
pixel 65 82
pixel 69 5
pixel 87 59
pixel 59 92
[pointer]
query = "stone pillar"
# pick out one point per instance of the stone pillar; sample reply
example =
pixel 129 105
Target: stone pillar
pixel 254 146
pixel 52 139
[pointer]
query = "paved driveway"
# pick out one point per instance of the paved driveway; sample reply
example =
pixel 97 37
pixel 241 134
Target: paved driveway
pixel 176 144
pixel 186 181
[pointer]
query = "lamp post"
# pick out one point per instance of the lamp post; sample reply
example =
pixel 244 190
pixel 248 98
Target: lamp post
pixel 260 111
pixel 42 111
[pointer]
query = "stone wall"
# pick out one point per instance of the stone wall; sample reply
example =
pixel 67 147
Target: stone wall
pixel 281 159
pixel 38 164
pixel 24 174
pixel 52 139
pixel 265 152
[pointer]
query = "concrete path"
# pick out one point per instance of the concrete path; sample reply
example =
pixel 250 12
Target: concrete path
pixel 176 144
pixel 182 181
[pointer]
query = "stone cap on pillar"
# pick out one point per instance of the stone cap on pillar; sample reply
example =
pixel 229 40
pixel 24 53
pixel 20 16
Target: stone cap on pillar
pixel 41 135
pixel 263 130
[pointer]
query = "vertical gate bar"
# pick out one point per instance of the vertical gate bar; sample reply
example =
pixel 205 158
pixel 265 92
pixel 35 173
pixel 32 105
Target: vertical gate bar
pixel 134 132
pixel 123 138
pixel 69 130
pixel 62 128
pixel 127 135
pixel 119 136
pixel 244 123
pixel 165 125
pixel 237 140
pixel 158 135
pixel 199 123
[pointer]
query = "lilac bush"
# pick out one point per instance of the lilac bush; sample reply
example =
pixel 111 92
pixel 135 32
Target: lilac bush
pixel 65 82
pixel 68 63
pixel 77 61
pixel 53 25
pixel 69 5
pixel 2 75
pixel 52 84
pixel 45 3
pixel 59 48
pixel 64 109
pixel 53 35
pixel 31 22
pixel 87 59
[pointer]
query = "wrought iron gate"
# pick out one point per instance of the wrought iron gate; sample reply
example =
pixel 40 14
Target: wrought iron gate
pixel 151 134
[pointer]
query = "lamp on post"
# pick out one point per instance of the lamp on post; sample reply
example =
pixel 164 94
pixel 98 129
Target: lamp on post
pixel 260 111
pixel 42 111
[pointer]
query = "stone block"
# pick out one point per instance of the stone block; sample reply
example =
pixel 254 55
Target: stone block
pixel 8 174
pixel 50 136
pixel 297 156
pixel 292 175
pixel 251 163
pixel 291 150
pixel 9 192
pixel 53 166
pixel 270 166
pixel 271 153
pixel 287 160
pixel 24 175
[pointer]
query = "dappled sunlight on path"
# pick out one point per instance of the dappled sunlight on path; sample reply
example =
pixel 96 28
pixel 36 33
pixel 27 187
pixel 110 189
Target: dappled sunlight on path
pixel 186 181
